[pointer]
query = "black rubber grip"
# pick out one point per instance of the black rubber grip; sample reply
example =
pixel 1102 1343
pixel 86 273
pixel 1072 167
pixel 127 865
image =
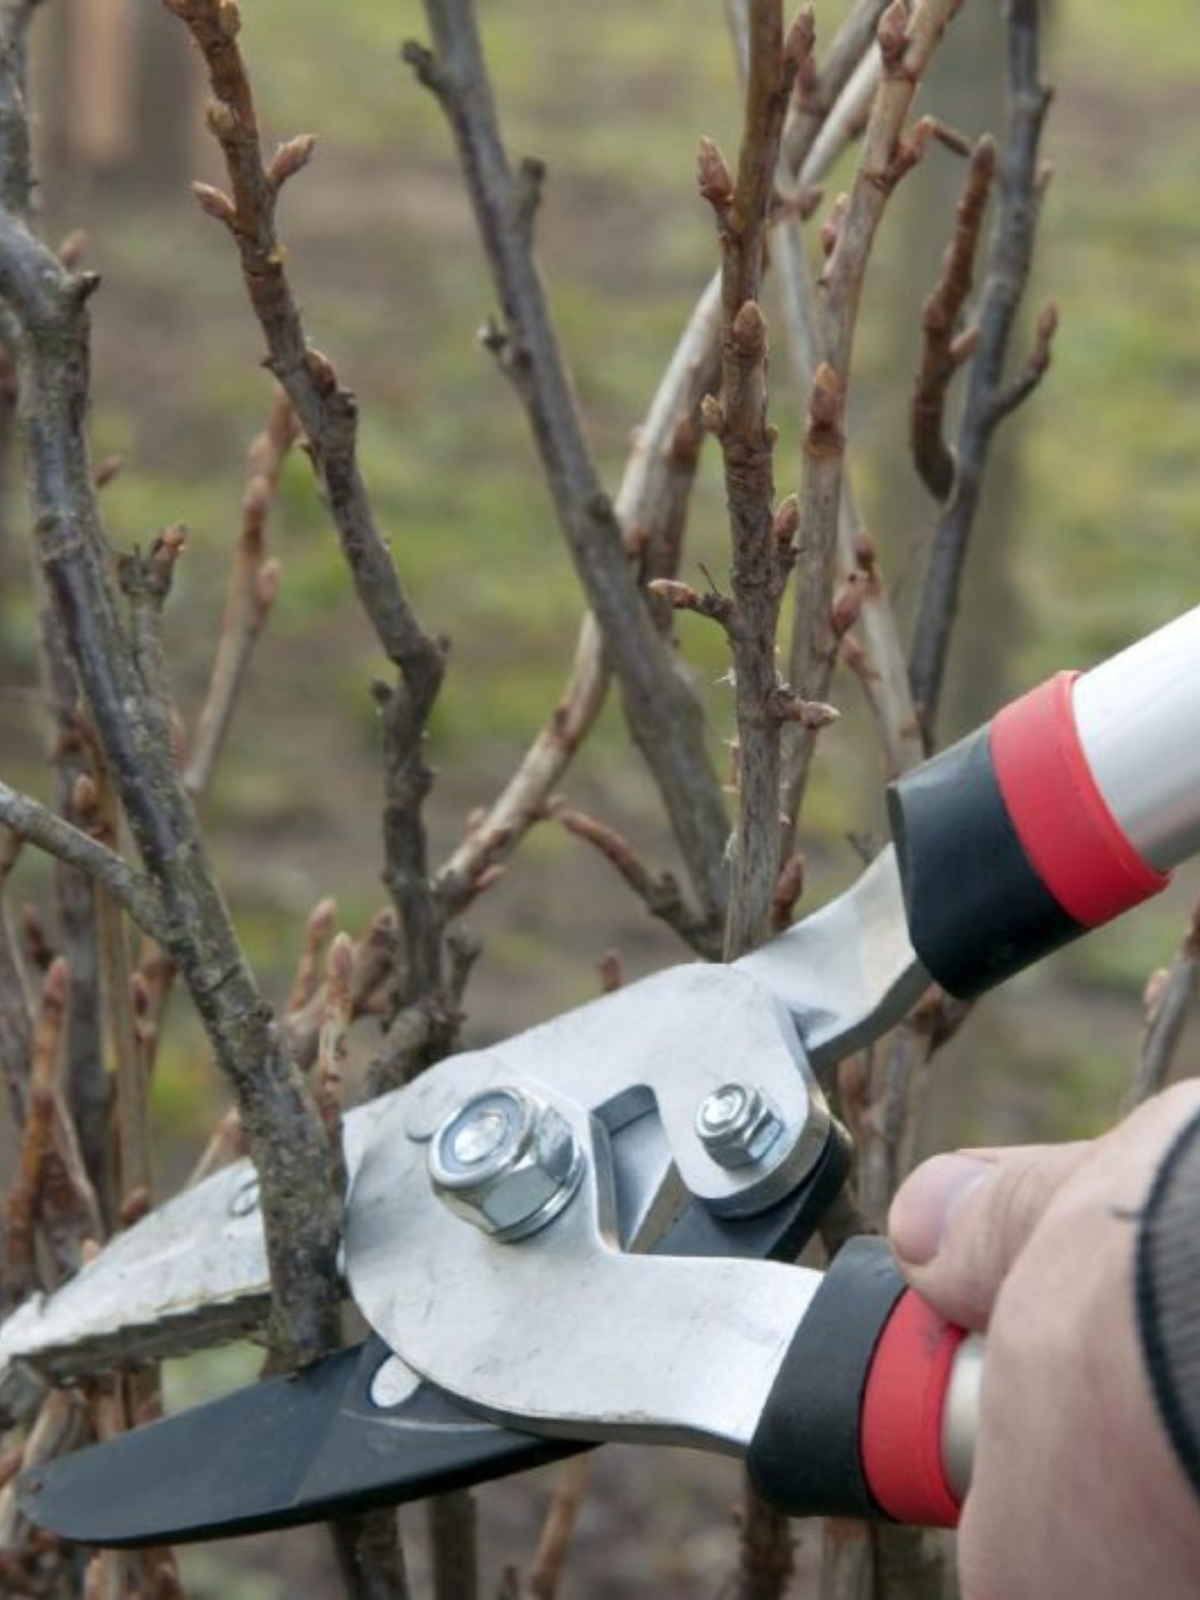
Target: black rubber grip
pixel 805 1457
pixel 977 910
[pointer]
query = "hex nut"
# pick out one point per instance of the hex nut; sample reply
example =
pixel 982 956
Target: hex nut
pixel 737 1125
pixel 505 1161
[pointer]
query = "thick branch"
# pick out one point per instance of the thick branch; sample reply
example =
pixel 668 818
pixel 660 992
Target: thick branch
pixel 663 714
pixel 301 1208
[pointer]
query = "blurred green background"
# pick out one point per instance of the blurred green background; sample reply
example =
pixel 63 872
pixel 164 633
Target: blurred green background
pixel 1093 502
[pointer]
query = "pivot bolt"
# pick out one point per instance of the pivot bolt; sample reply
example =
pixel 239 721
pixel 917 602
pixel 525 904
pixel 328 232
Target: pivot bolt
pixel 737 1125
pixel 506 1161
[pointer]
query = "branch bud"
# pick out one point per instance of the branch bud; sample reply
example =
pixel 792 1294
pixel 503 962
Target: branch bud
pixel 712 414
pixel 266 588
pixel 223 121
pixel 290 158
pixel 789 886
pixel 216 202
pixel 892 36
pixel 750 331
pixel 847 604
pixel 801 37
pixel 823 428
pixel 787 520
pixel 680 596
pixel 714 176
pixel 321 371
pixel 229 20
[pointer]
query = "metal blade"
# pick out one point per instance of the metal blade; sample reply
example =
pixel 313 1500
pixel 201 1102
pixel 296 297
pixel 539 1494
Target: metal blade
pixel 847 972
pixel 288 1450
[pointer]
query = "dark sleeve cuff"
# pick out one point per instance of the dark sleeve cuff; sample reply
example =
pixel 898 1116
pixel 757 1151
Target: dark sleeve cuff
pixel 1168 1295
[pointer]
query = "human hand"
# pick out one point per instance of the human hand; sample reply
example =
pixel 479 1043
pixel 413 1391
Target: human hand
pixel 1076 1490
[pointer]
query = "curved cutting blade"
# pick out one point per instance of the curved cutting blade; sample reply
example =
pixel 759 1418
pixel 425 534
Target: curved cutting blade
pixel 286 1450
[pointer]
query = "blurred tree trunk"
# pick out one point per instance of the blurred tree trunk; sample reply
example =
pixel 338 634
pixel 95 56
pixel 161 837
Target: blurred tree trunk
pixel 128 115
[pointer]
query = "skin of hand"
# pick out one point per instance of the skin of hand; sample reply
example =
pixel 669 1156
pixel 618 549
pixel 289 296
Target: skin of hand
pixel 1076 1490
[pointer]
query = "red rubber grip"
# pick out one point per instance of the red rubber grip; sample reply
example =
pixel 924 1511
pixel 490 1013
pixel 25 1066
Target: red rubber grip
pixel 1074 843
pixel 900 1429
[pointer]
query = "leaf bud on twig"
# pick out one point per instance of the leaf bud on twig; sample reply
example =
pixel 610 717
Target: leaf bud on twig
pixel 679 595
pixel 216 202
pixel 321 371
pixel 892 36
pixel 847 604
pixel 266 587
pixel 290 158
pixel 223 121
pixel 789 886
pixel 229 19
pixel 801 37
pixel 750 331
pixel 786 523
pixel 712 414
pixel 714 176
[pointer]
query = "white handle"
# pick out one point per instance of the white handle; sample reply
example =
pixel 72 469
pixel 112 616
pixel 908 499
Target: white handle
pixel 1138 719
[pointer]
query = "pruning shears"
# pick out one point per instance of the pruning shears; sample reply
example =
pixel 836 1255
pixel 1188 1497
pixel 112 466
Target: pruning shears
pixel 584 1233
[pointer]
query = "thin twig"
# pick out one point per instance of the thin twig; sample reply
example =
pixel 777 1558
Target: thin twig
pixel 570 1486
pixel 651 507
pixel 988 399
pixel 947 345
pixel 29 818
pixel 253 584
pixel 660 894
pixel 16 1033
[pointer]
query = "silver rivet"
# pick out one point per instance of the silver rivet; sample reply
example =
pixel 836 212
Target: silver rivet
pixel 244 1198
pixel 393 1383
pixel 506 1161
pixel 737 1125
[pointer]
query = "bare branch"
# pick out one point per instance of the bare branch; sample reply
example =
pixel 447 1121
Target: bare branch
pixel 906 43
pixel 29 818
pixel 663 714
pixel 761 538
pixel 947 345
pixel 1010 252
pixel 253 584
pixel 661 895
pixel 570 1486
pixel 328 414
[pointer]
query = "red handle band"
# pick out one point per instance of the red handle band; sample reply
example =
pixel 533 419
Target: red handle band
pixel 901 1425
pixel 1066 827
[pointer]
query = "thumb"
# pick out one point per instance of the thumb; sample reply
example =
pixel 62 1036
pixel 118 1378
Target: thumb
pixel 959 1221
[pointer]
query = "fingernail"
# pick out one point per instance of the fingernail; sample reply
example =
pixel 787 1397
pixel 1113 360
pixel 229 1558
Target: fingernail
pixel 926 1202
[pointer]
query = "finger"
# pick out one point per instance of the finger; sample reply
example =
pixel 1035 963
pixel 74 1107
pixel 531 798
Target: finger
pixel 960 1221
